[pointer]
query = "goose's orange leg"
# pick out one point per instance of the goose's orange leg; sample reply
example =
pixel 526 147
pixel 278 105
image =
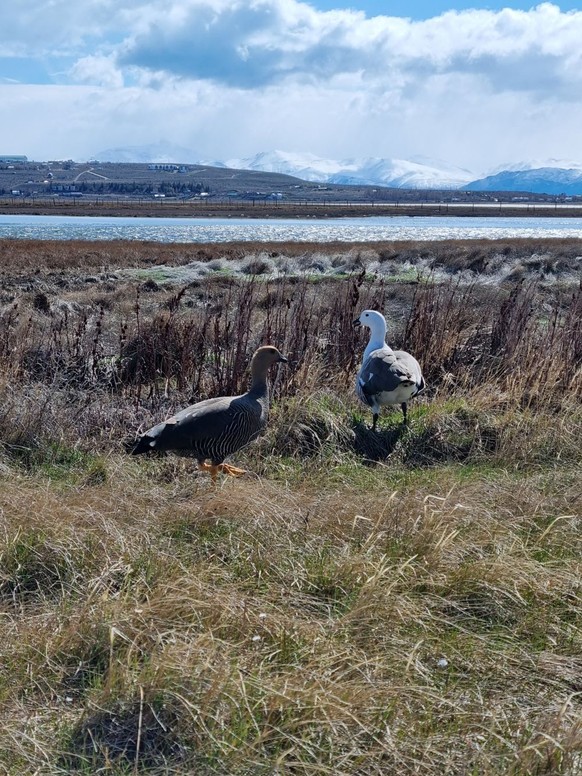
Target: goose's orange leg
pixel 225 468
pixel 234 471
pixel 207 467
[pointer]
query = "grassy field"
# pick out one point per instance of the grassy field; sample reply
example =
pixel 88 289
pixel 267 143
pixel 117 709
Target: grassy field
pixel 406 602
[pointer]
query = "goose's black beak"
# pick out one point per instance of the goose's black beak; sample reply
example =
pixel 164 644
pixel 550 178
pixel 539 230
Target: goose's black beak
pixel 357 323
pixel 282 360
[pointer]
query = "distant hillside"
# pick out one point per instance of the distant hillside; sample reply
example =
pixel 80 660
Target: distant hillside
pixel 553 177
pixel 544 180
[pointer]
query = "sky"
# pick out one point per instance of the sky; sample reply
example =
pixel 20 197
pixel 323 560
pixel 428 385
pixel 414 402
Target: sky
pixel 480 85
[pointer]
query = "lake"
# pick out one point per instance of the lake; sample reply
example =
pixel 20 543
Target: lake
pixel 212 230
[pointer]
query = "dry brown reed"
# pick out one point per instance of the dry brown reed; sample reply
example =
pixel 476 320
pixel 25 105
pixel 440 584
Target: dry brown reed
pixel 197 342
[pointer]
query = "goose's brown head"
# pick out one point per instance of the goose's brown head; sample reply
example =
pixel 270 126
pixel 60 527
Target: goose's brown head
pixel 265 357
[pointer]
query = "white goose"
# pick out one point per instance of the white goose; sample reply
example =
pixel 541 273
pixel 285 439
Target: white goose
pixel 386 376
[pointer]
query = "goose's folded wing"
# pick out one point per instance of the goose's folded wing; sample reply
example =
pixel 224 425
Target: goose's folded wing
pixel 208 419
pixel 411 365
pixel 381 372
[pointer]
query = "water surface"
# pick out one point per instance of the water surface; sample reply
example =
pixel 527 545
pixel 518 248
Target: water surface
pixel 212 230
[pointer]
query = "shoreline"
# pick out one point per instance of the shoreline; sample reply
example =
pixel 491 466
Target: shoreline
pixel 283 210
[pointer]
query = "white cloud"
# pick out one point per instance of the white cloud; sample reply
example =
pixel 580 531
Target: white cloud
pixel 228 78
pixel 38 27
pixel 255 43
pixel 98 70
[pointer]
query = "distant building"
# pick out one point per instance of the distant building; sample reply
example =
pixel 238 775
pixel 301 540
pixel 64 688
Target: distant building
pixel 165 167
pixel 10 159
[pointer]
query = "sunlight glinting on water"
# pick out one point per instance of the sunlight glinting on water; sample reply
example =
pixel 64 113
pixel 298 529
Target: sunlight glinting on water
pixel 207 230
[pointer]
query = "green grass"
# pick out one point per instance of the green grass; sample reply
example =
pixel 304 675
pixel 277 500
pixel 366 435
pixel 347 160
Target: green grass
pixel 293 622
pixel 57 461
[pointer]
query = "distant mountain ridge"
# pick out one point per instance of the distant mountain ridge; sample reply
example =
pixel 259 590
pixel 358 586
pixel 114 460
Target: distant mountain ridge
pixel 543 180
pixel 418 173
pixel 160 153
pixel 538 164
pixel 554 176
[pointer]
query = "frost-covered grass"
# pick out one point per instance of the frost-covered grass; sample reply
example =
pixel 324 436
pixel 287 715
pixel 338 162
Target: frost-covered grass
pixel 489 260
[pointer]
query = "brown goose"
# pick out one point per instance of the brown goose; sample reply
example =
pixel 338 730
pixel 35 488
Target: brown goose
pixel 216 428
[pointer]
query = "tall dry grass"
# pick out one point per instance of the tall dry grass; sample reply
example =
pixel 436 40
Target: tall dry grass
pixel 57 259
pixel 157 350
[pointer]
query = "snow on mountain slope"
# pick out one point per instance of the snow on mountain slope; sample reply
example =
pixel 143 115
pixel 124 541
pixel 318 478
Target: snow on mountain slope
pixel 306 166
pixel 403 174
pixel 397 173
pixel 160 153
pixel 543 180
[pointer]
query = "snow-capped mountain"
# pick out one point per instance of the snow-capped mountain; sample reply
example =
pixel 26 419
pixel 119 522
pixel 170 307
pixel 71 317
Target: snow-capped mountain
pixel 552 176
pixel 161 153
pixel 306 166
pixel 542 180
pixel 418 173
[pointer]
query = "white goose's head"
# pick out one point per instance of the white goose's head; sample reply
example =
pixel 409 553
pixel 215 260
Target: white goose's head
pixel 375 321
